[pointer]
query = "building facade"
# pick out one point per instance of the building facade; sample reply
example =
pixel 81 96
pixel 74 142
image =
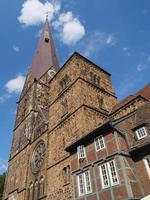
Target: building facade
pixel 72 139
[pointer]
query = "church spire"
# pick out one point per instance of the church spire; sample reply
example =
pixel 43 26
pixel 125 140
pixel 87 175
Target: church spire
pixel 45 57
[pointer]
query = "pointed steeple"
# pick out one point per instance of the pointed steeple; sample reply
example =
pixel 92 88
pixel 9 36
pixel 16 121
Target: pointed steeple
pixel 45 57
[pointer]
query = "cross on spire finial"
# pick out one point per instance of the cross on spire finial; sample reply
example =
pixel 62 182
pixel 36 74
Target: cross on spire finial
pixel 47 15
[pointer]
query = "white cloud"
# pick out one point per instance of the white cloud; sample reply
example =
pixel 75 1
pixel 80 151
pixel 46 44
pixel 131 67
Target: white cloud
pixel 128 54
pixel 38 33
pixel 141 67
pixel 3 167
pixel 70 28
pixel 4 98
pixel 127 51
pixel 97 41
pixel 15 85
pixel 125 48
pixel 16 48
pixel 128 83
pixel 148 59
pixel 33 12
pixel 110 40
pixel 145 11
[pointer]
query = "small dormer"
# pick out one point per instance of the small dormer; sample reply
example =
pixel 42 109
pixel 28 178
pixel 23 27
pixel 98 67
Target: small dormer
pixel 141 132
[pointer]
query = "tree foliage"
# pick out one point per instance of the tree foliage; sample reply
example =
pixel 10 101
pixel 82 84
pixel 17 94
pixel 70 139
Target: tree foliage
pixel 2 181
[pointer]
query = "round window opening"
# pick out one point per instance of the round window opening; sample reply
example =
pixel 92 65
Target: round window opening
pixel 38 157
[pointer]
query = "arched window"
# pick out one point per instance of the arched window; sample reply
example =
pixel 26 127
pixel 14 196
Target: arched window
pixel 101 101
pixel 95 78
pixel 30 192
pixel 36 190
pixel 41 187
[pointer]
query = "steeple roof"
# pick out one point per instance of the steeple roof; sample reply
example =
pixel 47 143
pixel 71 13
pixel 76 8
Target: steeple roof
pixel 45 56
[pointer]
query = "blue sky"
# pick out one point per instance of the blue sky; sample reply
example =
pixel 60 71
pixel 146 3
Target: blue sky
pixel 113 34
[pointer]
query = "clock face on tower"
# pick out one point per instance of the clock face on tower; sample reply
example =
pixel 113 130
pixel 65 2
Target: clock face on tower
pixel 38 157
pixel 51 73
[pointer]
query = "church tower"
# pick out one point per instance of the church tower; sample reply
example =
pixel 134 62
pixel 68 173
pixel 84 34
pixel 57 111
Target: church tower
pixel 56 108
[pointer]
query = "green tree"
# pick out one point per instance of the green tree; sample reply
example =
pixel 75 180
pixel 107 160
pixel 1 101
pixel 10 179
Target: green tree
pixel 2 182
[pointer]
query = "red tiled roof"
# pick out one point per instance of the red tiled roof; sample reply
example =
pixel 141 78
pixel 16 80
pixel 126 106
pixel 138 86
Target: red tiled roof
pixel 144 92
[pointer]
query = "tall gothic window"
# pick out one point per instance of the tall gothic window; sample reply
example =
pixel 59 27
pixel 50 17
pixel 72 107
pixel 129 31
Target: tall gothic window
pixel 30 192
pixel 41 187
pixel 36 190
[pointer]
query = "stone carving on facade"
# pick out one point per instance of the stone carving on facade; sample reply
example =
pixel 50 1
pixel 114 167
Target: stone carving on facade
pixel 38 157
pixel 66 174
pixel 36 190
pixel 41 187
pixel 27 132
pixel 13 196
pixel 64 82
pixel 28 82
pixel 24 108
pixel 41 95
pixel 95 78
pixel 22 135
pixel 40 122
pixel 30 192
pixel 101 102
pixel 64 104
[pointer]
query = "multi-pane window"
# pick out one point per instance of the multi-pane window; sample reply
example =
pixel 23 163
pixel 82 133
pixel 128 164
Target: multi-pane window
pixel 99 143
pixel 108 173
pixel 104 176
pixel 84 183
pixel 88 188
pixel 113 173
pixel 81 152
pixel 147 164
pixel 141 132
pixel 81 185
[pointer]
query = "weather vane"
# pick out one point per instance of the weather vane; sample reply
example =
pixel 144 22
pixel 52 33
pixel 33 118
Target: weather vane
pixel 47 15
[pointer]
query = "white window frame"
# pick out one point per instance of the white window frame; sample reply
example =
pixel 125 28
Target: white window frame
pixel 86 182
pixel 81 152
pixel 109 174
pixel 142 129
pixel 112 172
pixel 79 184
pixel 98 141
pixel 87 179
pixel 106 176
pixel 147 166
